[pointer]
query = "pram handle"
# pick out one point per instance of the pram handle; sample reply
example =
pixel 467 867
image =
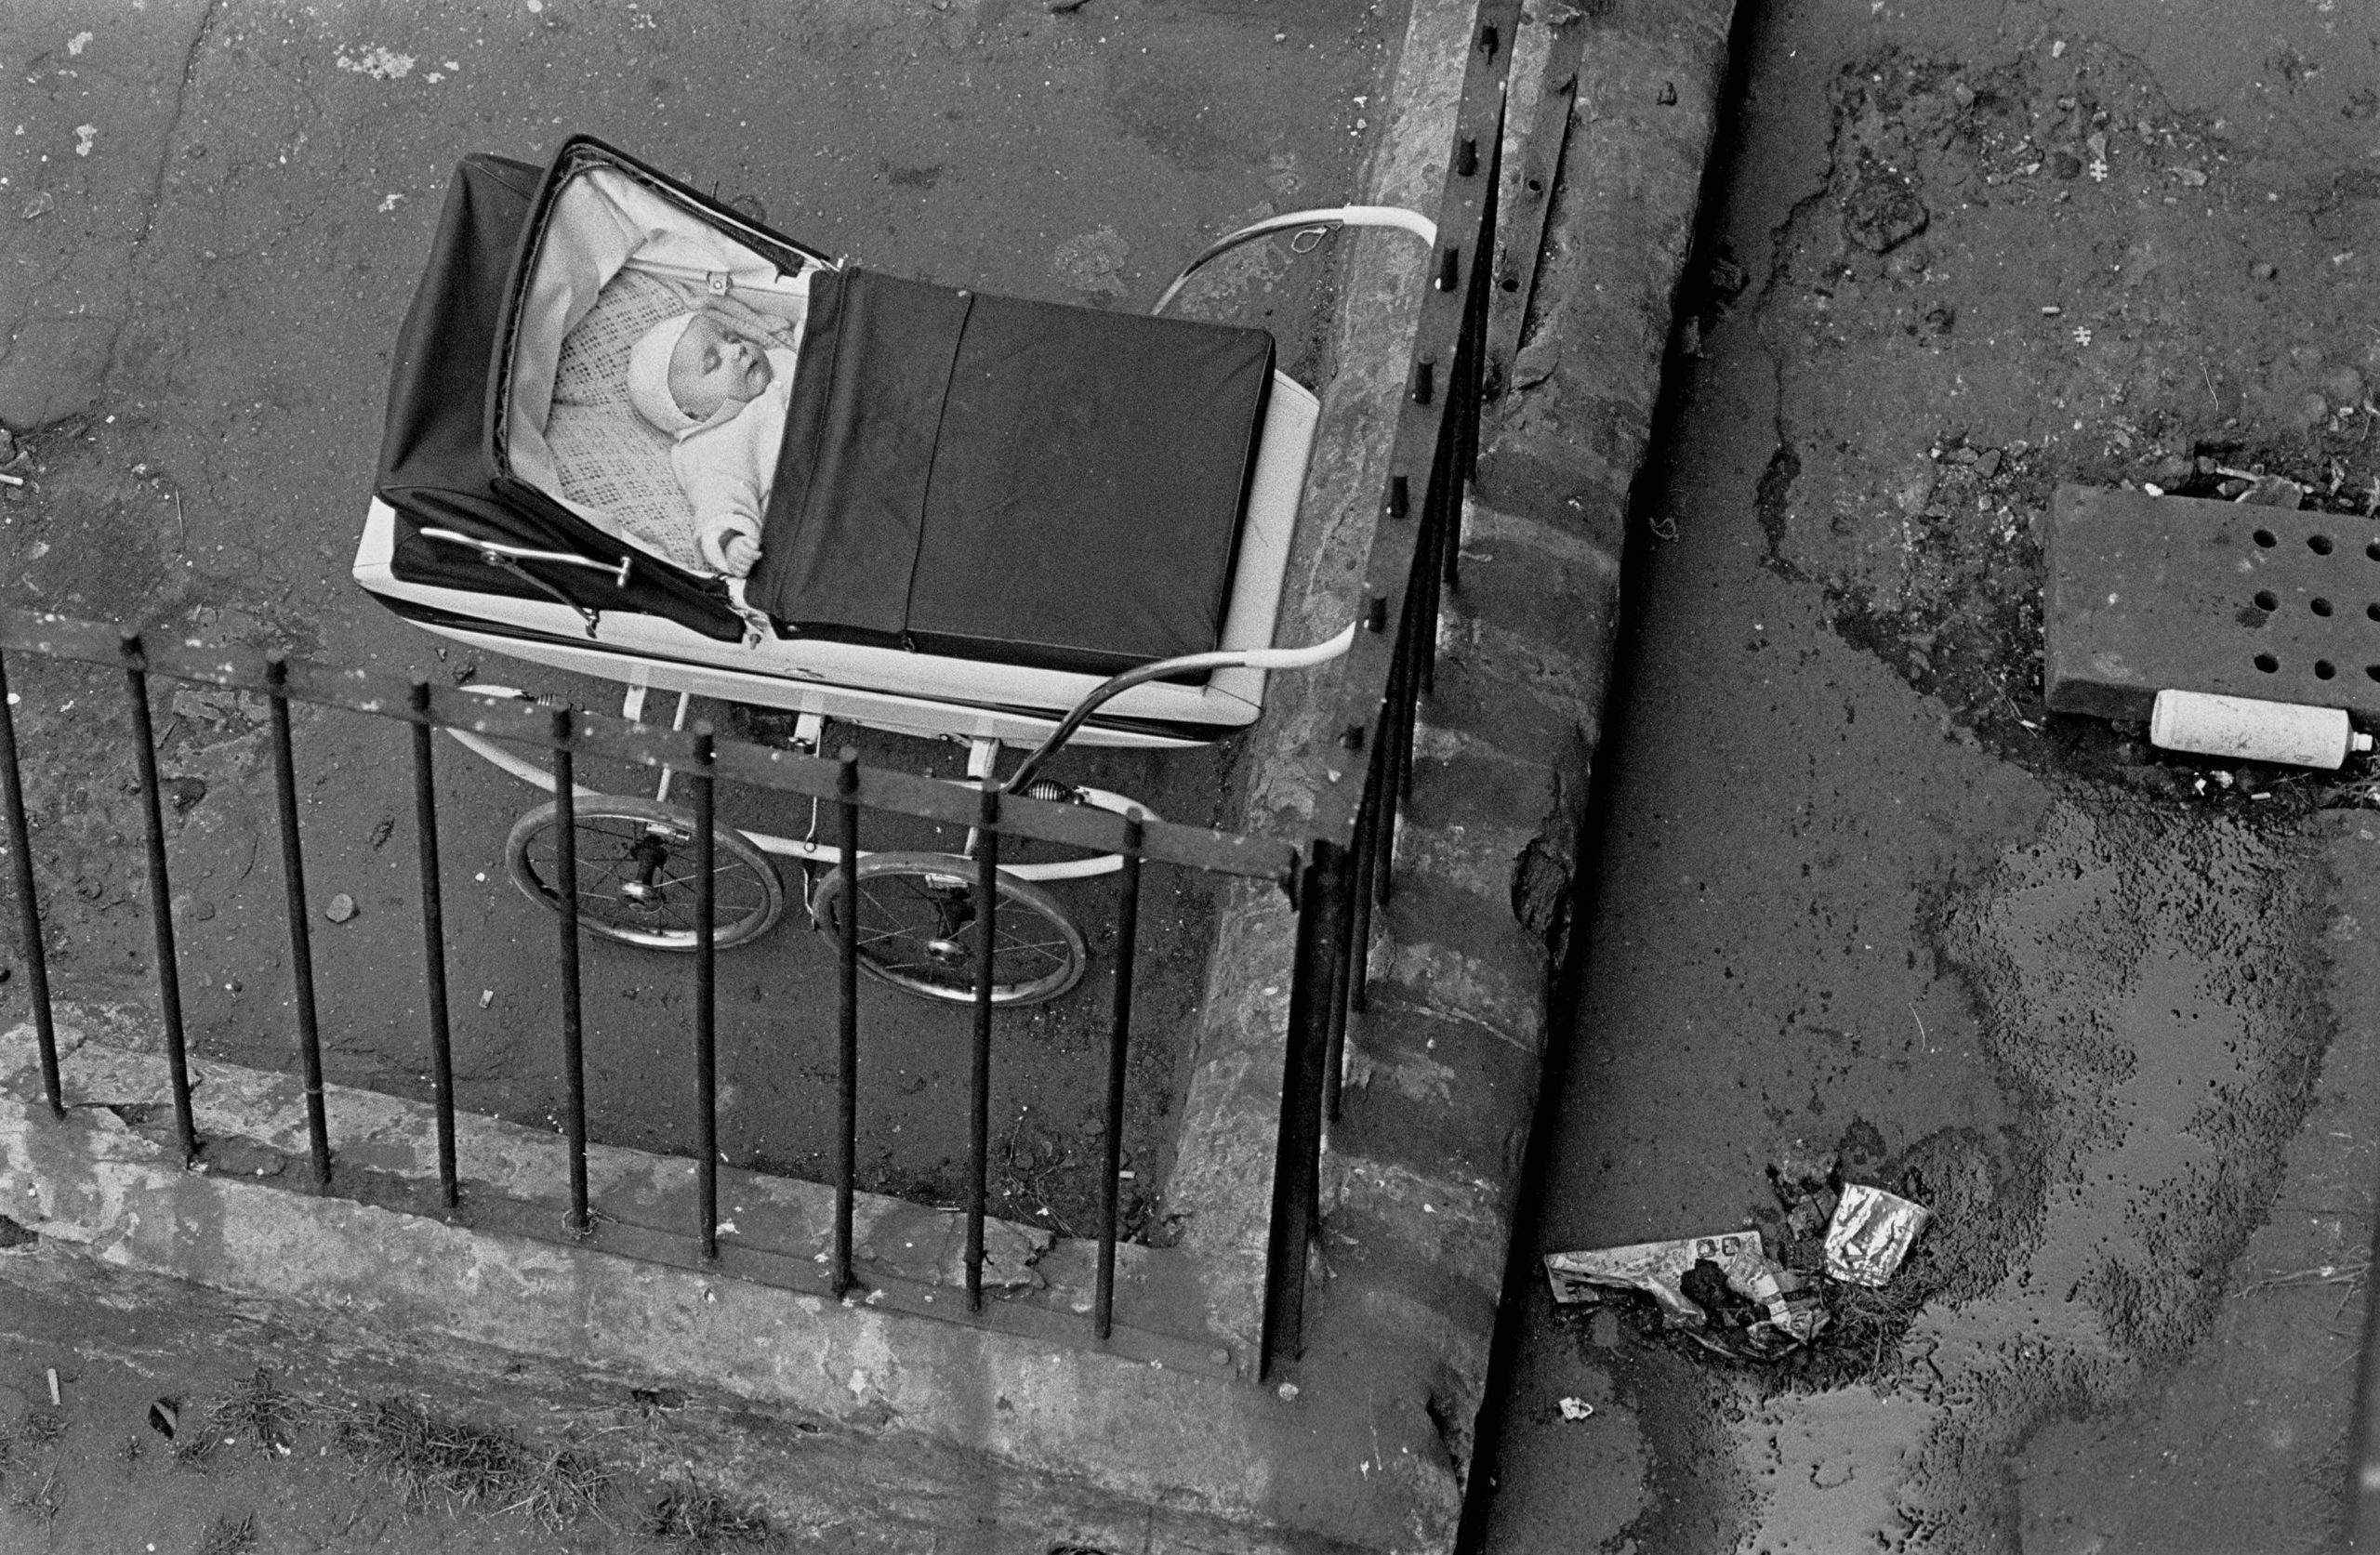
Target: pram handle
pixel 1336 216
pixel 495 553
pixel 1115 686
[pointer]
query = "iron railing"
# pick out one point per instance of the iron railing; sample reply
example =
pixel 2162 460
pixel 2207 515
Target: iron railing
pixel 1340 876
pixel 569 735
pixel 1365 770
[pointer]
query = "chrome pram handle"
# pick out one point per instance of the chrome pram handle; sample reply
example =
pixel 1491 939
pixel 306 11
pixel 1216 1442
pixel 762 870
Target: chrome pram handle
pixel 495 554
pixel 1116 685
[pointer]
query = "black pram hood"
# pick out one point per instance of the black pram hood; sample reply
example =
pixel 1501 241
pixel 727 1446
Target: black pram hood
pixel 442 462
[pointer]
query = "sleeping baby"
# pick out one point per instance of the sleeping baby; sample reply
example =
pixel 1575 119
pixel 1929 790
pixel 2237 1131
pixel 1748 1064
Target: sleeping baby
pixel 721 398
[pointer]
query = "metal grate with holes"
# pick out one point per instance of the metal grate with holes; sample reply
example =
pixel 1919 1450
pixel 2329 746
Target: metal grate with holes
pixel 2148 593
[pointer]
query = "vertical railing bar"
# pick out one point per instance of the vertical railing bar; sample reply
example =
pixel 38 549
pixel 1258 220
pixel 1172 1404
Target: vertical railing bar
pixel 433 945
pixel 1381 879
pixel 1127 919
pixel 1334 1036
pixel 979 1130
pixel 1367 866
pixel 1407 688
pixel 161 917
pixel 1297 1160
pixel 29 931
pixel 847 1020
pixel 1429 555
pixel 573 1057
pixel 301 932
pixel 706 991
pixel 1350 999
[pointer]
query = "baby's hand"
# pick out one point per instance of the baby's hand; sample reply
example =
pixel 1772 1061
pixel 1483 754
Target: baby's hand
pixel 741 553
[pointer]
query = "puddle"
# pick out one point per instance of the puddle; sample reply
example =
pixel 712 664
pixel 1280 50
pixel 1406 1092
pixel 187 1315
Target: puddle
pixel 1826 1463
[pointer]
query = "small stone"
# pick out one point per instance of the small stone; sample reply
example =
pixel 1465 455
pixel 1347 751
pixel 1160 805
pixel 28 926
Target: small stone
pixel 342 908
pixel 2263 270
pixel 1962 94
pixel 487 998
pixel 2312 410
pixel 2274 491
pixel 1667 95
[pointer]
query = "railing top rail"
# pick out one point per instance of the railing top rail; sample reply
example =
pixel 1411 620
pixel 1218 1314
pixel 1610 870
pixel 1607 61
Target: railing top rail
pixel 389 696
pixel 1357 692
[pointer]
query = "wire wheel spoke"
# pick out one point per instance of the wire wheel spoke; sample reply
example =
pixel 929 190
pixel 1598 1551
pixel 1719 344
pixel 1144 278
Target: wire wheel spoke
pixel 917 929
pixel 636 878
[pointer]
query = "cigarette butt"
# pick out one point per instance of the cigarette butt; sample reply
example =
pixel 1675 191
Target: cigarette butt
pixel 13 479
pixel 54 1400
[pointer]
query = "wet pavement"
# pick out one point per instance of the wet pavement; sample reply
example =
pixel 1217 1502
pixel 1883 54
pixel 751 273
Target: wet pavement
pixel 211 219
pixel 1861 901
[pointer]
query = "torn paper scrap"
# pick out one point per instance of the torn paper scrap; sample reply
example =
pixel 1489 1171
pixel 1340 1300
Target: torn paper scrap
pixel 1658 1269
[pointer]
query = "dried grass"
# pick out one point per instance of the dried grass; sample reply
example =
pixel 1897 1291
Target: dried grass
pixel 42 1501
pixel 452 1465
pixel 255 1412
pixel 229 1536
pixel 690 1517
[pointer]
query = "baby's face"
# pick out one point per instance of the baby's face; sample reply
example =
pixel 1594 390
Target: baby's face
pixel 712 365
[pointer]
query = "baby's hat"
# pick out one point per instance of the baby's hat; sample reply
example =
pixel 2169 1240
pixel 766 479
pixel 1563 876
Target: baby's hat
pixel 649 375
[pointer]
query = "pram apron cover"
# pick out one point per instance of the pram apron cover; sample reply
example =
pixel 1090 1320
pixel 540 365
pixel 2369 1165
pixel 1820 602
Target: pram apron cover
pixel 992 478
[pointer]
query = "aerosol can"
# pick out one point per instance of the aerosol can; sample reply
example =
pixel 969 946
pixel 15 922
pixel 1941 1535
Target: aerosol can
pixel 2243 729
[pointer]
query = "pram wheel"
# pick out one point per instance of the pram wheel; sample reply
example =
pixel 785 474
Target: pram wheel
pixel 917 930
pixel 636 879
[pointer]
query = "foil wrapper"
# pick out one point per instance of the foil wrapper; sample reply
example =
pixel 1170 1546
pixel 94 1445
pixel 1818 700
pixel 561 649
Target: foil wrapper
pixel 1870 1234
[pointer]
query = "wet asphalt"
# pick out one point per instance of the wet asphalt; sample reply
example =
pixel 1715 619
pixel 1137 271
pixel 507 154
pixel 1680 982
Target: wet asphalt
pixel 1860 901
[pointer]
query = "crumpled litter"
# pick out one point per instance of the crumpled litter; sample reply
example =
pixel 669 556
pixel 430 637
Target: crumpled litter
pixel 1723 1290
pixel 1869 1233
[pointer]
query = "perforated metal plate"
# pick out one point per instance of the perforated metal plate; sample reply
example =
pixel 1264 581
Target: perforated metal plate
pixel 2151 592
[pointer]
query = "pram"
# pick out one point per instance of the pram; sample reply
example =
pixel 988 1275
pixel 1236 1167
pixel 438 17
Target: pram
pixel 998 521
